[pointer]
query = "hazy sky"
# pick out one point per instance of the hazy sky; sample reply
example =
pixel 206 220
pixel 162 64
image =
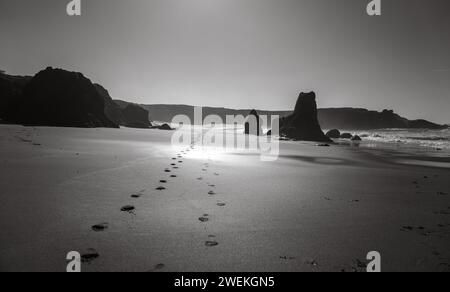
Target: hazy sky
pixel 242 53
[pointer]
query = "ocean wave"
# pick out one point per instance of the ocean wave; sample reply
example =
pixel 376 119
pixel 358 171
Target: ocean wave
pixel 435 139
pixel 429 138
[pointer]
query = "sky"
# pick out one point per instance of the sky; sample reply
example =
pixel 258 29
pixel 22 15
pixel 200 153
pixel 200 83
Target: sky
pixel 242 53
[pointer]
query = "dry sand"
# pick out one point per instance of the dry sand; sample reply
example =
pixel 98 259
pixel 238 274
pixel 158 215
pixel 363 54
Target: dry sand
pixel 314 209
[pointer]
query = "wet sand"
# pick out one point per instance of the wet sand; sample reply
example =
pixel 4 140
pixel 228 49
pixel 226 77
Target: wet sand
pixel 128 201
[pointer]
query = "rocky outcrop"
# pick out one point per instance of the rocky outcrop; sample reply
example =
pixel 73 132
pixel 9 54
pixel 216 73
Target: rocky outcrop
pixel 303 124
pixel 131 115
pixel 112 109
pixel 253 124
pixel 333 134
pixel 59 98
pixel 56 97
pixel 11 88
pixel 165 127
pixel 136 117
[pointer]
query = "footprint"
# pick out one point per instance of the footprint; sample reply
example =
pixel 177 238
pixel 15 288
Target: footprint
pixel 173 175
pixel 136 196
pixel 411 228
pixel 216 174
pixel 312 263
pixel 160 188
pixel 220 204
pixel 128 209
pixel 159 267
pixel 163 181
pixel 286 258
pixel 167 170
pixel 211 193
pixel 89 256
pixel 360 264
pixel 211 243
pixel 212 186
pixel 100 227
pixel 203 219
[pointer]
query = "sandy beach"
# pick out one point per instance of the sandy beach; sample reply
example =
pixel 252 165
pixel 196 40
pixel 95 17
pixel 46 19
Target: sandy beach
pixel 313 209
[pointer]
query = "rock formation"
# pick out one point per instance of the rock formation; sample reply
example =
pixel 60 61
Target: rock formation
pixel 112 109
pixel 59 98
pixel 333 134
pixel 165 127
pixel 136 117
pixel 11 88
pixel 130 115
pixel 303 123
pixel 253 124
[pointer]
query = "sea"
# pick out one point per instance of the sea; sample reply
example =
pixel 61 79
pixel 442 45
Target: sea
pixel 422 138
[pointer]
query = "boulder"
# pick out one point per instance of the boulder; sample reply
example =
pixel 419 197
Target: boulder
pixel 269 133
pixel 165 127
pixel 334 134
pixel 303 124
pixel 253 124
pixel 356 138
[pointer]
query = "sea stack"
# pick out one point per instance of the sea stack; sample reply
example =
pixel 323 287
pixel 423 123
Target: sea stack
pixel 303 124
pixel 253 124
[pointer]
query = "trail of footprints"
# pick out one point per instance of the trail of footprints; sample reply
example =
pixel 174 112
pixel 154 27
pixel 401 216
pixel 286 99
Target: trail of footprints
pixel 440 230
pixel 91 254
